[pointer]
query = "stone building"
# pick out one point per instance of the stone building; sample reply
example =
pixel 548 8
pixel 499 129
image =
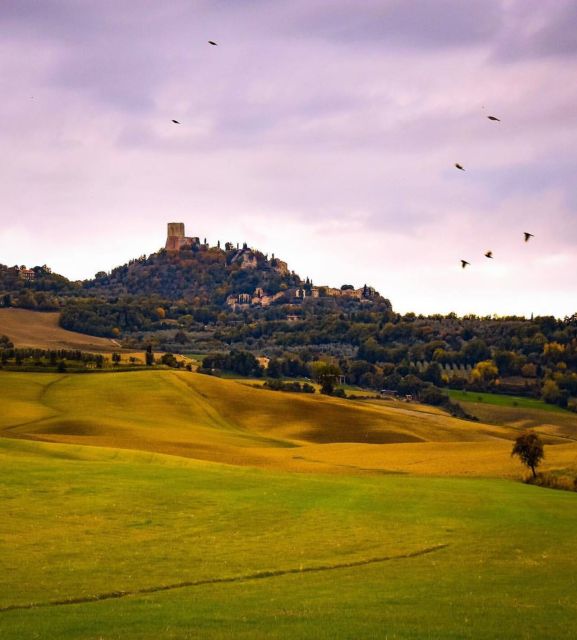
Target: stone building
pixel 26 274
pixel 175 238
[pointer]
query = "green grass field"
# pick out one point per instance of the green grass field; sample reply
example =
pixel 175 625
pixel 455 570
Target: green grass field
pixel 443 558
pixel 501 400
pixel 329 518
pixel 519 413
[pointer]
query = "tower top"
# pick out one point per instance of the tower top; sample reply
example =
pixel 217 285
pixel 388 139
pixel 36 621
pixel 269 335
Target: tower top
pixel 175 230
pixel 176 239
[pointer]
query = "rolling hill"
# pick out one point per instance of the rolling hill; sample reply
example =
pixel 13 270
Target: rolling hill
pixel 276 515
pixel 40 329
pixel 104 543
pixel 202 417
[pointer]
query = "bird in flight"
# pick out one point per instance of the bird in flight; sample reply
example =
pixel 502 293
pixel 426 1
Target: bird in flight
pixel 528 235
pixel 213 43
pixel 464 263
pixel 494 118
pixel 459 166
pixel 175 121
pixel 489 254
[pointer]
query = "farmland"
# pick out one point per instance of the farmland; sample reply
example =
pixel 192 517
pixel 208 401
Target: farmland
pixel 41 330
pixel 273 516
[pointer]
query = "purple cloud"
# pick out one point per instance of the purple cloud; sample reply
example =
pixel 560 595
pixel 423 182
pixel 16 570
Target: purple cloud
pixel 323 131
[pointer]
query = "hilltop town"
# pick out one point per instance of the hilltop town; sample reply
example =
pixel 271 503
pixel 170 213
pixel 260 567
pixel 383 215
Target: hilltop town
pixel 249 259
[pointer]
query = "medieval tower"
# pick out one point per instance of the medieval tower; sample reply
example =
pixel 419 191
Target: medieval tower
pixel 175 238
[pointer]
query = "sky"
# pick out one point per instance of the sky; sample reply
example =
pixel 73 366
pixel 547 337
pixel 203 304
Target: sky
pixel 325 131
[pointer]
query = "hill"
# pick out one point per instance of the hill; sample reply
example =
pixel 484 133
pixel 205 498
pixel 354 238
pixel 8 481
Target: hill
pixel 104 536
pixel 42 330
pixel 194 298
pixel 206 418
pixel 105 543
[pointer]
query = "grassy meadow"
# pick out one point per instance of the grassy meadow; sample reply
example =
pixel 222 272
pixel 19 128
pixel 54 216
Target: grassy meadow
pixel 501 400
pixel 274 516
pixel 520 413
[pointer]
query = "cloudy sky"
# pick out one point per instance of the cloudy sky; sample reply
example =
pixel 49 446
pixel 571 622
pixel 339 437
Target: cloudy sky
pixel 325 131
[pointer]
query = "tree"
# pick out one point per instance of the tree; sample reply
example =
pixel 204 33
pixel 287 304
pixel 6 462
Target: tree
pixel 180 337
pixel 476 350
pixel 326 375
pixel 529 448
pixel 485 372
pixel 433 374
pixel 169 360
pixel 149 356
pixel 550 392
pixel 274 368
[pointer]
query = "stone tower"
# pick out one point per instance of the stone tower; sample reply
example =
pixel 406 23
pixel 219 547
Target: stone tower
pixel 176 240
pixel 175 236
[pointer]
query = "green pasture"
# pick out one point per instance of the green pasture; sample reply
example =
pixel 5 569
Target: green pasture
pixel 502 400
pixel 79 522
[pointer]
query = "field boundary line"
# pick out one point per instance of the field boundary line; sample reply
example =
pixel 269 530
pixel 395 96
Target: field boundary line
pixel 260 575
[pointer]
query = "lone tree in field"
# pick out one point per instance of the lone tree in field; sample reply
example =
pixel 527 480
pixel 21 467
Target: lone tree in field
pixel 529 448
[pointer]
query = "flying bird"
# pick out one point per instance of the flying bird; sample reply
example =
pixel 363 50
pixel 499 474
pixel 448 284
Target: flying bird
pixel 464 263
pixel 528 235
pixel 214 44
pixel 494 118
pixel 175 121
pixel 489 254
pixel 459 166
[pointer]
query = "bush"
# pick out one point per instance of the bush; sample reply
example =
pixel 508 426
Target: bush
pixel 5 342
pixel 551 480
pixel 169 360
pixel 433 396
pixel 292 387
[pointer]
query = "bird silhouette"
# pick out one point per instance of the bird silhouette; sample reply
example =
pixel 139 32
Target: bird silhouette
pixel 464 263
pixel 528 235
pixel 494 118
pixel 214 44
pixel 176 121
pixel 459 166
pixel 489 254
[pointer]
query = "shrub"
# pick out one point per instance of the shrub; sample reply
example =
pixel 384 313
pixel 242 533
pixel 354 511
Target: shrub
pixel 551 480
pixel 292 387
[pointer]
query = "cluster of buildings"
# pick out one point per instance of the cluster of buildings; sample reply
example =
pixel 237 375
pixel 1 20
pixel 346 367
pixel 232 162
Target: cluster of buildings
pixel 176 239
pixel 296 295
pixel 28 275
pixel 247 258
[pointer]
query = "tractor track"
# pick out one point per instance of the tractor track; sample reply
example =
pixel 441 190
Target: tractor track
pixel 261 575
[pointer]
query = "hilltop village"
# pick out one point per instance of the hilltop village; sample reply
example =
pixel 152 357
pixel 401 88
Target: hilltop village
pixel 248 259
pixel 194 297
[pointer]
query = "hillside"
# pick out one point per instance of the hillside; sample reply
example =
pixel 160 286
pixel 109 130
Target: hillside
pixel 194 298
pixel 291 510
pixel 42 330
pixel 206 418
